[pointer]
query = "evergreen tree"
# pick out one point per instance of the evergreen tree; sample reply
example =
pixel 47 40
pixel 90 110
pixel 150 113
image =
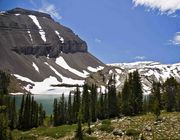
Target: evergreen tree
pixel 55 112
pixel 86 103
pixel 42 114
pixel 178 98
pixel 156 99
pixel 69 109
pixel 137 93
pixel 29 114
pixel 21 114
pixel 93 102
pixel 79 133
pixel 4 130
pixel 126 108
pixel 4 82
pixel 76 104
pixel 170 89
pixel 12 113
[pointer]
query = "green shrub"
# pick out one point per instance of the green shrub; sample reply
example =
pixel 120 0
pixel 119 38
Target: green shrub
pixel 107 122
pixel 107 128
pixel 89 138
pixel 27 138
pixel 132 132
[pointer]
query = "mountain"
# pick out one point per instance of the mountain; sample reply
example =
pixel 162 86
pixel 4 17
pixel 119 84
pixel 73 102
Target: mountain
pixel 40 52
pixel 148 70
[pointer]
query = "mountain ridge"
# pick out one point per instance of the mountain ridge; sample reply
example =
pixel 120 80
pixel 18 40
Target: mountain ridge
pixel 149 71
pixel 39 51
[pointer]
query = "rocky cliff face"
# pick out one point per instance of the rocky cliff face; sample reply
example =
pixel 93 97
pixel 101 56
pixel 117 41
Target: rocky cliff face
pixel 35 47
pixel 30 32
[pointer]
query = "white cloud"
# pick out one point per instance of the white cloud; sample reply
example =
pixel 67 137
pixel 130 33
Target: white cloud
pixel 140 57
pixel 50 9
pixel 97 40
pixel 176 39
pixel 33 3
pixel 164 6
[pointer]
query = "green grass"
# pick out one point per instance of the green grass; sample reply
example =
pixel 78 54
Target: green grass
pixel 53 132
pixel 169 128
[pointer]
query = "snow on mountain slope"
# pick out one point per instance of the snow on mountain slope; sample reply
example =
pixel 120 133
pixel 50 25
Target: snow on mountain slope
pixel 149 71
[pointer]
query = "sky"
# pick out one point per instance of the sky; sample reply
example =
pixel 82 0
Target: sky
pixel 117 31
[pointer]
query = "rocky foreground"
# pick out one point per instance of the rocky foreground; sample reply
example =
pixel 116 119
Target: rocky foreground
pixel 142 127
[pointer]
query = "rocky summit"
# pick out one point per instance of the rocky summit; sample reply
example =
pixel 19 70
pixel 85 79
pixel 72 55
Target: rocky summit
pixel 41 52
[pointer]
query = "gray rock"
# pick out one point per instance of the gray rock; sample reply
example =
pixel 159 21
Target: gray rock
pixel 117 132
pixel 148 128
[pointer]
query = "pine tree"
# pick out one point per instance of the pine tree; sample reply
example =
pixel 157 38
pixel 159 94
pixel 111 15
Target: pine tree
pixel 156 99
pixel 4 82
pixel 79 134
pixel 4 130
pixel 69 116
pixel 76 104
pixel 41 114
pixel 170 89
pixel 126 108
pixel 137 93
pixel 112 98
pixel 178 98
pixel 93 102
pixel 13 113
pixel 85 103
pixel 55 112
pixel 21 113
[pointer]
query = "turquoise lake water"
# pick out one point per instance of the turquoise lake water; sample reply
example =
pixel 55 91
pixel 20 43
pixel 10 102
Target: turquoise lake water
pixel 46 100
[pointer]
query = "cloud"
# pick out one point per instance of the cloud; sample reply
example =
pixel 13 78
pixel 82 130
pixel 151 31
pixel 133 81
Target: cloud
pixel 176 39
pixel 50 9
pixel 164 6
pixel 33 3
pixel 97 40
pixel 140 57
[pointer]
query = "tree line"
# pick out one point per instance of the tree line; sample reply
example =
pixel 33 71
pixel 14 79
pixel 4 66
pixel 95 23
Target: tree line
pixel 89 105
pixel 30 114
pixel 94 105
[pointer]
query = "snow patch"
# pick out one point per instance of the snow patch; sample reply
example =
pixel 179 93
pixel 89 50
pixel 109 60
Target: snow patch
pixel 118 71
pixel 101 89
pixel 146 89
pixel 23 78
pixel 61 62
pixel 60 37
pixel 95 69
pixel 29 33
pixel 66 80
pixel 44 87
pixel 17 93
pixel 35 67
pixel 17 14
pixel 41 32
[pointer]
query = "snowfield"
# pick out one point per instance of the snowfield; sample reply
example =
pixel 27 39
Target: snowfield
pixel 95 69
pixel 61 62
pixel 41 32
pixel 66 80
pixel 44 87
pixel 150 71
